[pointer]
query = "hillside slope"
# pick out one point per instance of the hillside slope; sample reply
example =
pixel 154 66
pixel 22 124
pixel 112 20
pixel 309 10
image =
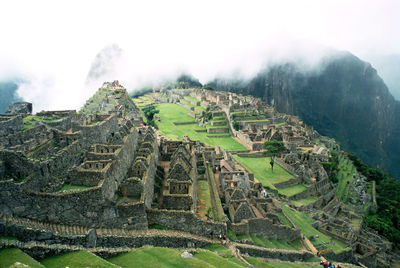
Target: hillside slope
pixel 345 99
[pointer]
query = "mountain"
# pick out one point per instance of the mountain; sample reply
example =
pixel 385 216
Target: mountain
pixel 388 67
pixel 8 94
pixel 344 98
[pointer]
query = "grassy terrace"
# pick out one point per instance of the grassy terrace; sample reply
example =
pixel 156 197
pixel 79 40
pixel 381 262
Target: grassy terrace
pixel 31 119
pixel 9 256
pixel 304 223
pixel 262 170
pixel 304 201
pixel 345 176
pixel 292 190
pixel 268 243
pixel 170 113
pixel 190 98
pixel 218 118
pixel 203 198
pixel 166 257
pixel 281 264
pixel 76 259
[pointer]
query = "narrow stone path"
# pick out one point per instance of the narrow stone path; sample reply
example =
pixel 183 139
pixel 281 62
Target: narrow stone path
pixel 237 254
pixel 312 248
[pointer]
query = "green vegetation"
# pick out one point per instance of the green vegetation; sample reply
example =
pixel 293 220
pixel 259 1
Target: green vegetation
pixel 386 220
pixel 159 227
pixel 149 112
pixel 9 256
pixel 285 220
pixel 203 198
pixel 273 148
pixel 272 243
pixel 156 257
pixel 216 207
pixel 170 113
pixel 304 201
pixel 256 262
pixel 304 223
pixel 292 190
pixel 76 259
pixel 30 120
pixel 223 252
pixel 215 260
pixel 262 170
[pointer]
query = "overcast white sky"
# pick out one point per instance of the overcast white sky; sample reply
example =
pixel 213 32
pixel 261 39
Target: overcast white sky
pixel 53 43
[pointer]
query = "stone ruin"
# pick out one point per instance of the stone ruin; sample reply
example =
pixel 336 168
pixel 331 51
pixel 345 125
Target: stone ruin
pixel 98 177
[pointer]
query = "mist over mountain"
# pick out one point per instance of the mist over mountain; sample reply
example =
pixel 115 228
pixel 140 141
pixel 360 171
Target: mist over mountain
pixel 105 64
pixel 345 99
pixel 8 93
pixel 388 67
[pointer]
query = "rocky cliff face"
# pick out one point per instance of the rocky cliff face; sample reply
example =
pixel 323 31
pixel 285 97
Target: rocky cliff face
pixel 344 99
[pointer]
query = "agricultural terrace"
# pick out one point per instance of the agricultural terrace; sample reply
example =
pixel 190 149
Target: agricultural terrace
pixel 170 113
pixel 304 222
pixel 345 176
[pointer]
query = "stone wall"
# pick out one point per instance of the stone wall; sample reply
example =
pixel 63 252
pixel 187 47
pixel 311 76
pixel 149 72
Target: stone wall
pixel 265 227
pixel 93 206
pixel 280 254
pixel 217 130
pixel 178 201
pixel 286 184
pixel 98 132
pixel 10 124
pixel 304 194
pixel 185 221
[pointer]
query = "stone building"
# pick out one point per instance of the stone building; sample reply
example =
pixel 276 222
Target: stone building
pixel 180 187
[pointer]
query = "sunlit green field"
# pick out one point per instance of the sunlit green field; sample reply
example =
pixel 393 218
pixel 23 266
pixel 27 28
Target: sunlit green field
pixel 76 259
pixel 9 256
pixel 170 113
pixel 262 170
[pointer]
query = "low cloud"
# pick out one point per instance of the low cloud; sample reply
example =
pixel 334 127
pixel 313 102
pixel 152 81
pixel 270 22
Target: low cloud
pixel 53 46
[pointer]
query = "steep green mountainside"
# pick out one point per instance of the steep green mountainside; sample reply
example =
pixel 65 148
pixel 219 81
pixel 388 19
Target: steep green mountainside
pixel 7 95
pixel 344 99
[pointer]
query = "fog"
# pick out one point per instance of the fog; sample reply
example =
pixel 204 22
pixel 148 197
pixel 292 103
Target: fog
pixel 53 46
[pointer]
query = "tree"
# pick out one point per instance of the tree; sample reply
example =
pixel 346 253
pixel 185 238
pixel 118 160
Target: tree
pixel 149 112
pixel 274 148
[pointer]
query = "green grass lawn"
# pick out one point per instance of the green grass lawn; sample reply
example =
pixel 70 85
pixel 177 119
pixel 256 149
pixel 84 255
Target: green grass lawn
pixel 304 201
pixel 258 263
pixel 76 259
pixel 292 190
pixel 170 113
pixel 216 260
pixel 156 257
pixel 262 170
pixel 272 243
pixel 224 252
pixel 9 256
pixel 304 222
pixel 203 197
pixel 285 220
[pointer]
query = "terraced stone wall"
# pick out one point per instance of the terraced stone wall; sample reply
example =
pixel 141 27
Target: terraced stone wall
pixel 185 221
